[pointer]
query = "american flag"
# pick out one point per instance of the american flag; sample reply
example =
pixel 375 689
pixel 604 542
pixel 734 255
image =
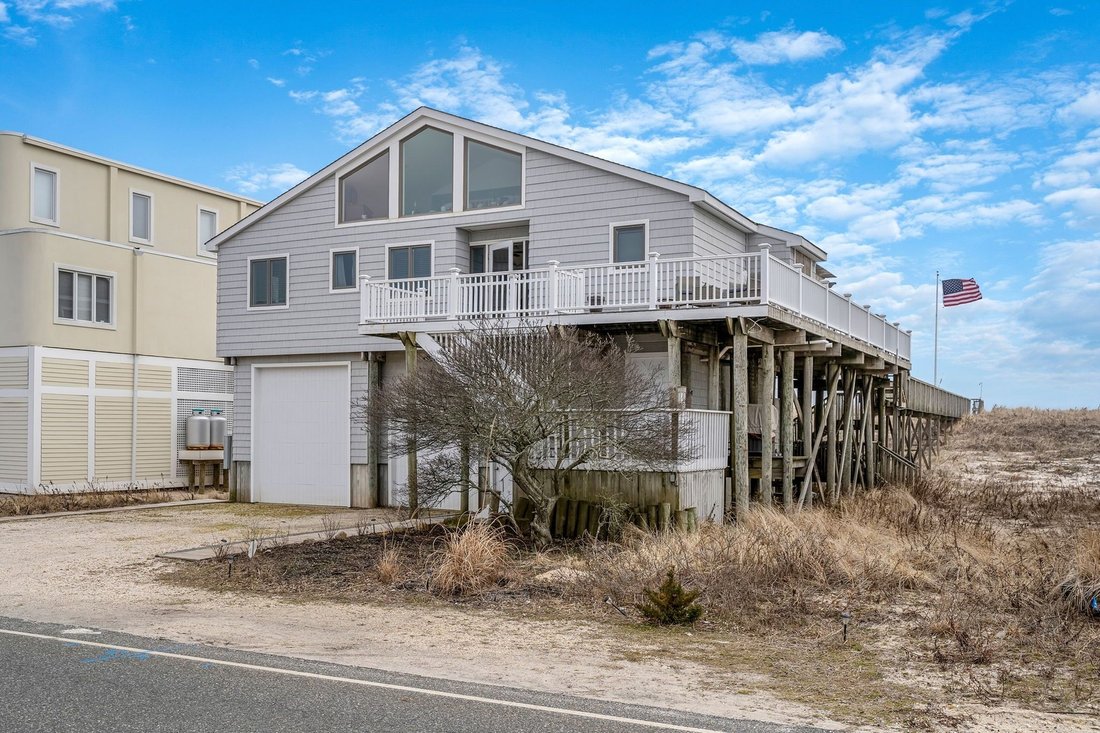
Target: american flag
pixel 957 292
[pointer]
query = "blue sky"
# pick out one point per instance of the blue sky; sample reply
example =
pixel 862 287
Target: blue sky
pixel 900 137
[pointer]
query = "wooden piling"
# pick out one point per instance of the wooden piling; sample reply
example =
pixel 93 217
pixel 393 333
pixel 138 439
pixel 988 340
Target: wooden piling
pixel 739 420
pixel 831 418
pixel 410 459
pixel 664 517
pixel 766 399
pixel 786 426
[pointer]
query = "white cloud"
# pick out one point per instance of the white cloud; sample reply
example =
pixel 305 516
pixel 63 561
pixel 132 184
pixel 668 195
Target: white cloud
pixel 954 171
pixel 1084 202
pixel 277 82
pixel 59 14
pixel 254 63
pixel 778 47
pixel 251 179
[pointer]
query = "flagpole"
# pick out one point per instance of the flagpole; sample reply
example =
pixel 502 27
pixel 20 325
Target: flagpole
pixel 936 339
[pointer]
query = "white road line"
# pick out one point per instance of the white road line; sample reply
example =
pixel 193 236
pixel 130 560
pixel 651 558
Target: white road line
pixel 368 683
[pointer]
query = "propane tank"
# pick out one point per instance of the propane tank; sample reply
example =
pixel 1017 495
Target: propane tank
pixel 217 429
pixel 198 430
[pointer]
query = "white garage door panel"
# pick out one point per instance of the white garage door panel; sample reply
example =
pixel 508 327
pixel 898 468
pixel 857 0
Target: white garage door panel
pixel 301 435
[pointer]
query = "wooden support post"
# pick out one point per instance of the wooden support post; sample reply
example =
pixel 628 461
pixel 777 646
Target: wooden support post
pixel 675 376
pixel 464 478
pixel 739 421
pixel 714 380
pixel 765 386
pixel 811 458
pixel 880 439
pixel 807 396
pixel 869 435
pixel 831 417
pixel 845 466
pixel 786 425
pixel 374 432
pixel 410 459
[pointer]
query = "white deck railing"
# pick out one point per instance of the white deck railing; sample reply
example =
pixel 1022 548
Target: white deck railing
pixel 727 280
pixel 703 436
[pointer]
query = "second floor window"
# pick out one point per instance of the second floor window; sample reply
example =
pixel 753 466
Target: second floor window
pixel 44 196
pixel 267 282
pixel 345 266
pixel 84 297
pixel 141 217
pixel 413 261
pixel 628 243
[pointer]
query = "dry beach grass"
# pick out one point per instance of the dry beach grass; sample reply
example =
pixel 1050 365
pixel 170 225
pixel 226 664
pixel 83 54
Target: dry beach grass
pixel 966 588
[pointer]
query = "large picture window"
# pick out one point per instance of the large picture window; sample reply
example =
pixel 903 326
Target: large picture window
pixel 267 284
pixel 410 261
pixel 84 297
pixel 493 176
pixel 365 192
pixel 427 173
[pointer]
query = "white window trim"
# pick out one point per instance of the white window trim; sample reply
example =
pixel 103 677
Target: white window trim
pixel 248 288
pixel 152 208
pixel 332 256
pixel 611 240
pixel 113 325
pixel 461 135
pixel 396 245
pixel 202 251
pixel 56 222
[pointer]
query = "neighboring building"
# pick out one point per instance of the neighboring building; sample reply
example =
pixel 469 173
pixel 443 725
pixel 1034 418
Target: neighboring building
pixel 107 294
pixel 438 220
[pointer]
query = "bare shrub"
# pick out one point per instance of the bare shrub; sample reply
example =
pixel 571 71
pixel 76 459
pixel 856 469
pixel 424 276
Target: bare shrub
pixel 330 526
pixel 474 558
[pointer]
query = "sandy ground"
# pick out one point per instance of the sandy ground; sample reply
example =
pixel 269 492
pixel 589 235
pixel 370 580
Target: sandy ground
pixel 99 570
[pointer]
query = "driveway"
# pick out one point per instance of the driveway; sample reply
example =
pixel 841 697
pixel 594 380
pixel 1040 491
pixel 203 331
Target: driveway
pixel 100 571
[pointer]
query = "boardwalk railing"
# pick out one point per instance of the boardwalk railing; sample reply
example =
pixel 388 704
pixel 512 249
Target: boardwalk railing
pixel 757 278
pixel 932 400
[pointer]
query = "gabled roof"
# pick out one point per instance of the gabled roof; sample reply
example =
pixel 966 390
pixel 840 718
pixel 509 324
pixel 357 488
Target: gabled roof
pixel 426 114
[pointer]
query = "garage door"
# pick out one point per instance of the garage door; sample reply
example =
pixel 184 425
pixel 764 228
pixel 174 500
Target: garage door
pixel 301 434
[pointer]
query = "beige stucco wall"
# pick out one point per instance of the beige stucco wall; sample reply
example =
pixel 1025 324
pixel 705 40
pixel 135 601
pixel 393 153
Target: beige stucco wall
pixel 176 299
pixel 164 298
pixel 94 197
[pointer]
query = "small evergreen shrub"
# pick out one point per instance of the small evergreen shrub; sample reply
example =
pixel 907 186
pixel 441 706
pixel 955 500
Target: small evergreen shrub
pixel 671 603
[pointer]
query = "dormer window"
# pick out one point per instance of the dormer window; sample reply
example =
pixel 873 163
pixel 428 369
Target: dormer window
pixel 493 176
pixel 427 173
pixel 365 192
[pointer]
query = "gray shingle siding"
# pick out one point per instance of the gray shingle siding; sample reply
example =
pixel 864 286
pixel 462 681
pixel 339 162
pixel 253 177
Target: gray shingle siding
pixel 714 236
pixel 568 209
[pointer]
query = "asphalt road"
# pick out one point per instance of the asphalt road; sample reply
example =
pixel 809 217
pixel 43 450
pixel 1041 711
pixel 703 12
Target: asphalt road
pixel 59 679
